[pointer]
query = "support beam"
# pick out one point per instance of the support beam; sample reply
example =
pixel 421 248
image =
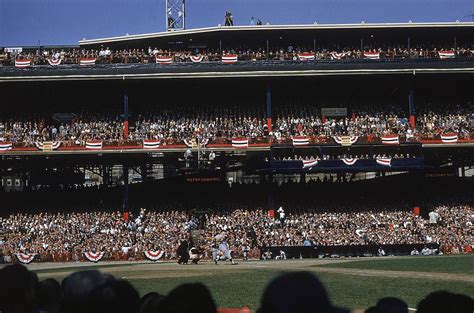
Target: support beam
pixel 269 107
pixel 125 116
pixel 125 207
pixel 411 108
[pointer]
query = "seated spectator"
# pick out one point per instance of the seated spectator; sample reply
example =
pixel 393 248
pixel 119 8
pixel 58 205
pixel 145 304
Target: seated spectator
pixel 149 303
pixel 17 289
pixel 298 292
pixel 49 296
pixel 446 302
pixel 389 305
pixel 188 298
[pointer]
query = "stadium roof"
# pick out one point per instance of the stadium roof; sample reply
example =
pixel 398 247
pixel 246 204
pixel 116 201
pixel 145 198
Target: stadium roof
pixel 264 28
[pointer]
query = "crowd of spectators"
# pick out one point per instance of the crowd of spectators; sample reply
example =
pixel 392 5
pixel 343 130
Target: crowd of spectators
pixel 345 156
pixel 77 130
pixel 66 236
pixel 105 55
pixel 218 124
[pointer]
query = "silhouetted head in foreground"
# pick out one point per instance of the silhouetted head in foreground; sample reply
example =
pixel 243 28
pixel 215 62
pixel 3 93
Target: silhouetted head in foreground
pixel 117 296
pixel 17 289
pixel 298 292
pixel 150 302
pixel 49 295
pixel 446 302
pixel 77 289
pixel 188 298
pixel 389 305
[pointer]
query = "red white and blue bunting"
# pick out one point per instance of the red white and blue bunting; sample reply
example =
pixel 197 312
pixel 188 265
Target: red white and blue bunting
pixel 154 255
pixel 229 58
pixel 25 258
pixel 94 144
pixel 94 256
pixel 5 146
pixel 22 63
pixel 87 61
pixel 196 58
pixel 349 161
pixel 309 163
pixel 306 56
pixel 346 140
pixel 384 161
pixel 164 59
pixel 151 144
pixel 41 145
pixel 446 54
pixel 391 139
pixel 240 142
pixel 372 55
pixel 449 138
pixel 189 142
pixel 300 140
pixel 339 55
pixel 54 62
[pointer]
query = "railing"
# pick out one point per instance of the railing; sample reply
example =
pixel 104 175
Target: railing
pixel 112 62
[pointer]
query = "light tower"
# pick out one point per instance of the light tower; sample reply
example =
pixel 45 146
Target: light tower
pixel 175 15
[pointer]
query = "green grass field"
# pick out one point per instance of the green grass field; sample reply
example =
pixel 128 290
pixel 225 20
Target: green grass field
pixel 442 264
pixel 354 284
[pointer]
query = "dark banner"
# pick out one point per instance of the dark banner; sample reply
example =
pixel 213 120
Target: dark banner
pixel 345 250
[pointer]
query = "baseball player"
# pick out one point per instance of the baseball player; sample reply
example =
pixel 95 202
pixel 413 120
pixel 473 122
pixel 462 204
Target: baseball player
pixel 222 249
pixel 245 251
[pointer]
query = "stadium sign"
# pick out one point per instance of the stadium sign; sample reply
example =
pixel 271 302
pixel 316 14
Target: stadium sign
pixel 334 111
pixel 14 50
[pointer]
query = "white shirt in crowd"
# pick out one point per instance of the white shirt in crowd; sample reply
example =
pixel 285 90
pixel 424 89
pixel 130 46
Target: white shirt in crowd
pixel 433 217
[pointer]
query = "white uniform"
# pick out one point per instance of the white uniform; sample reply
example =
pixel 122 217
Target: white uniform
pixel 223 248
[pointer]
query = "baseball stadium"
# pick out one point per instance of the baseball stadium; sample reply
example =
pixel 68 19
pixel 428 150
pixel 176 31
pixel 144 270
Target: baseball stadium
pixel 266 168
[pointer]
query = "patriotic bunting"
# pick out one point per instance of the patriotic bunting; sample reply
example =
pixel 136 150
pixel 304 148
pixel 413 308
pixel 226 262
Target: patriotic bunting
pixel 349 161
pixel 87 61
pixel 300 140
pixel 54 62
pixel 306 56
pixel 47 145
pixel 339 55
pixel 229 58
pixel 372 55
pixel 240 142
pixel 449 138
pixel 309 163
pixel 94 256
pixel 151 144
pixel 196 58
pixel 446 54
pixel 384 161
pixel 391 139
pixel 25 258
pixel 5 146
pixel 94 144
pixel 154 255
pixel 22 63
pixel 164 59
pixel 189 142
pixel 346 140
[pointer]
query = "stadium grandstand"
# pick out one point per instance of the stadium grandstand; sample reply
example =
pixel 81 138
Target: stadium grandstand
pixel 312 143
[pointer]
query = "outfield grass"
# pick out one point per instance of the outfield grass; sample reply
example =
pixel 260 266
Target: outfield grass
pixel 457 264
pixel 243 284
pixel 348 291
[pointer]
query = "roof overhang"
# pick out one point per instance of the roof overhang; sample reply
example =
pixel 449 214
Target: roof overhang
pixel 263 28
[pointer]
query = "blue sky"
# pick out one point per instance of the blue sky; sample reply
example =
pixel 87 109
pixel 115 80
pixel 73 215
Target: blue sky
pixel 25 22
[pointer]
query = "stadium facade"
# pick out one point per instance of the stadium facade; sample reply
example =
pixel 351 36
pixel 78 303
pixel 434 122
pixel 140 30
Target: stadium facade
pixel 406 63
